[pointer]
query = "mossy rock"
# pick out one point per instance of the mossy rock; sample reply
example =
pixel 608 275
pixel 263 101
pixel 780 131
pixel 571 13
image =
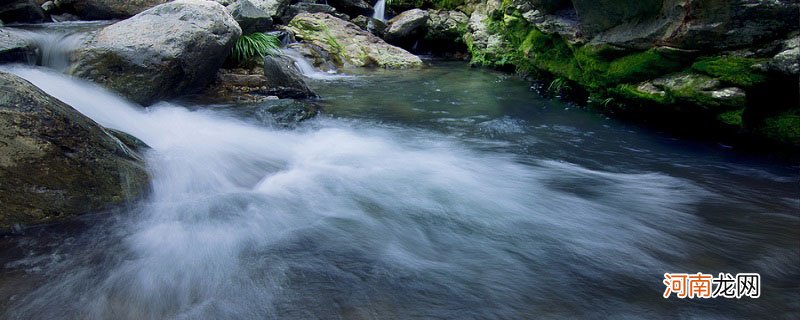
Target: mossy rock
pixel 784 127
pixel 737 71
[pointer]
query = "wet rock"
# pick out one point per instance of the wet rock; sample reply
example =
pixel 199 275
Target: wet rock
pixel 318 57
pixel 349 45
pixel 283 80
pixel 166 51
pixel 21 11
pixel 374 26
pixel 407 26
pixel 250 17
pixel 55 162
pixel 106 9
pixel 14 48
pixel 787 61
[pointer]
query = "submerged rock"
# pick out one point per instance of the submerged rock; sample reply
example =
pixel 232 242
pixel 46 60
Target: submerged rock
pixel 56 162
pixel 14 48
pixel 166 51
pixel 106 9
pixel 349 45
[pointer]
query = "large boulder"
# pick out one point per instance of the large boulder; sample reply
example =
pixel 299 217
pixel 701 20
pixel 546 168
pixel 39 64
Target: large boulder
pixel 406 26
pixel 106 9
pixel 348 44
pixel 21 11
pixel 56 162
pixel 169 50
pixel 14 48
pixel 250 17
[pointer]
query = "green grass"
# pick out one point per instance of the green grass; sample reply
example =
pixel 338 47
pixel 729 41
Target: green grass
pixel 254 45
pixel 734 70
pixel 733 117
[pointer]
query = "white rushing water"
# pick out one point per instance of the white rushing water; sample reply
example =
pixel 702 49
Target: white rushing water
pixel 380 10
pixel 309 71
pixel 251 222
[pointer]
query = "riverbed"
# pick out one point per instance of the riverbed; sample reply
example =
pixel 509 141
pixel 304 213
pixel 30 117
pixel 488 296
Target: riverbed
pixel 443 193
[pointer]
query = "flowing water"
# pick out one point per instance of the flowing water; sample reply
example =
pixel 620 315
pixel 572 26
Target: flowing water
pixel 445 193
pixel 380 10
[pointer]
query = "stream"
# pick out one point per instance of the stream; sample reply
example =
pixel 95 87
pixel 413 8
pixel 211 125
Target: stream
pixel 441 193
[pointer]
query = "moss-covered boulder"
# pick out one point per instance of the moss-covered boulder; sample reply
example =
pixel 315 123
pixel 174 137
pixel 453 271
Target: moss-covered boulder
pixel 349 45
pixel 686 89
pixel 169 50
pixel 56 162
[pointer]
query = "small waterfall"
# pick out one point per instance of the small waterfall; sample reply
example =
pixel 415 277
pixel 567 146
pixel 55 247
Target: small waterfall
pixel 53 48
pixel 308 70
pixel 380 10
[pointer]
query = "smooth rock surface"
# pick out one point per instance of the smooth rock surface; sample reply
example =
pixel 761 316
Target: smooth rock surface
pixel 56 162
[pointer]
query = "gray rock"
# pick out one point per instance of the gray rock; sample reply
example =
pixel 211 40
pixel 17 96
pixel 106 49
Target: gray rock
pixel 168 50
pixel 274 8
pixel 700 90
pixel 106 9
pixel 687 24
pixel 445 25
pixel 14 48
pixel 347 44
pixel 374 26
pixel 406 25
pixel 297 8
pixel 21 11
pixel 352 8
pixel 55 162
pixel 318 57
pixel 250 17
pixel 787 61
pixel 283 79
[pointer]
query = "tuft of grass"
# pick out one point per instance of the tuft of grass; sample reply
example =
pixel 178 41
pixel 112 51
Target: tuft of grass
pixel 733 118
pixel 255 45
pixel 734 70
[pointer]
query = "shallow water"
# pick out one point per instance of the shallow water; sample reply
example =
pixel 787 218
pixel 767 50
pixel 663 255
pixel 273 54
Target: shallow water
pixel 442 193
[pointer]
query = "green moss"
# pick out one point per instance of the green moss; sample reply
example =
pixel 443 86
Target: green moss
pixel 639 66
pixel 734 70
pixel 733 118
pixel 631 92
pixel 784 128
